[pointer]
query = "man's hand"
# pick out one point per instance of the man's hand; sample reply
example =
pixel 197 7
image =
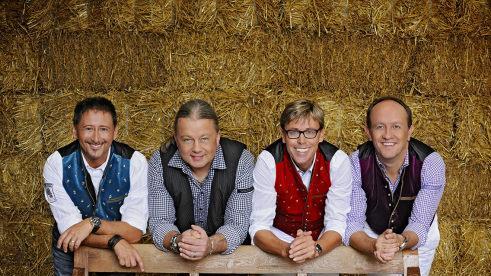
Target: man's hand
pixel 73 237
pixel 302 247
pixel 386 245
pixel 127 255
pixel 194 244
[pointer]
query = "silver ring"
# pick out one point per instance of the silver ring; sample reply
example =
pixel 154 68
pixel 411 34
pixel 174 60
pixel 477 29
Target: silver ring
pixel 72 241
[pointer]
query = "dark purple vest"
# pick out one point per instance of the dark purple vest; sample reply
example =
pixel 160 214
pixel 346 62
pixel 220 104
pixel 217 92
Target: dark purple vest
pixel 384 209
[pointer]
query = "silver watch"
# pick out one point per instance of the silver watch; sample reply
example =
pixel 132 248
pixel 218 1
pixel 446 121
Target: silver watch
pixel 174 246
pixel 403 244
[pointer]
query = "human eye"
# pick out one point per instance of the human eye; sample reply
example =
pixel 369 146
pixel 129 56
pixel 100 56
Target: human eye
pixel 88 128
pixel 396 126
pixel 310 133
pixel 204 139
pixel 187 140
pixel 380 126
pixel 293 133
pixel 104 129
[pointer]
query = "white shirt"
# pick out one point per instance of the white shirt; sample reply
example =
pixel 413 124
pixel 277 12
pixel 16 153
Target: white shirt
pixel 134 210
pixel 264 197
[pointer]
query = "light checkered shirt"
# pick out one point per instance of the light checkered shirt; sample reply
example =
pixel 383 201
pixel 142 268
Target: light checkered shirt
pixel 162 213
pixel 425 204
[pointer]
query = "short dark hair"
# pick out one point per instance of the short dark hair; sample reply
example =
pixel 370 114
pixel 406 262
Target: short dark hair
pixel 198 109
pixel 389 98
pixel 302 109
pixel 94 103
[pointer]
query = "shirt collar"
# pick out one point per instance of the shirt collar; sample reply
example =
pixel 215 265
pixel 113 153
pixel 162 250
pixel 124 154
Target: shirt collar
pixel 101 167
pixel 218 162
pixel 310 169
pixel 405 163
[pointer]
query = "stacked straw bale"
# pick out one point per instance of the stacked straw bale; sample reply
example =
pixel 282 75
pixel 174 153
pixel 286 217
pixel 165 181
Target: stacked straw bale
pixel 19 64
pixel 248 59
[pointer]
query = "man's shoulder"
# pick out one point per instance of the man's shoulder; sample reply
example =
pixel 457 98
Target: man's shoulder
pixel 123 150
pixel 68 149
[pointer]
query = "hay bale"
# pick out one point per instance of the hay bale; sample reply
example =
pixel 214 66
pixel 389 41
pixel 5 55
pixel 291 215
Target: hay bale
pixel 21 183
pixel 19 63
pixel 433 122
pixel 7 125
pixel 238 16
pixel 468 18
pixel 26 114
pixel 466 194
pixel 476 248
pixel 270 13
pixel 11 16
pixel 344 119
pixel 151 114
pixel 104 61
pixel 455 68
pixel 72 15
pixel 25 243
pixel 113 14
pixel 447 252
pixel 156 16
pixel 473 135
pixel 40 16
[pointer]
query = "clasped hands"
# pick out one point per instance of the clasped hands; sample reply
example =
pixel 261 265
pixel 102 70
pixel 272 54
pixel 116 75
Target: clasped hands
pixel 194 244
pixel 386 245
pixel 302 247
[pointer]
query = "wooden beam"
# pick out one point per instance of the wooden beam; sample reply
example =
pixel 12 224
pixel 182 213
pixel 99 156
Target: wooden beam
pixel 246 259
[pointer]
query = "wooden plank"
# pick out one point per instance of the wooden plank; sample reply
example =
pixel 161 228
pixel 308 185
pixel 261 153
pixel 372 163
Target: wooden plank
pixel 411 262
pixel 80 262
pixel 246 259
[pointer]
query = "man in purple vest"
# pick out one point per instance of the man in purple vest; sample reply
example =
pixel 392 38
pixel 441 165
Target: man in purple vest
pixel 302 187
pixel 398 182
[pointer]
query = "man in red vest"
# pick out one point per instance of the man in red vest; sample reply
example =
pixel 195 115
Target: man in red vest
pixel 302 187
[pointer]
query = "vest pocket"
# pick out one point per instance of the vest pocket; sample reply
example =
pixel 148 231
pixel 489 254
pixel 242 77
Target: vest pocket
pixel 116 199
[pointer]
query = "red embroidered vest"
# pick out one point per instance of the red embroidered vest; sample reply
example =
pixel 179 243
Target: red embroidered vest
pixel 297 208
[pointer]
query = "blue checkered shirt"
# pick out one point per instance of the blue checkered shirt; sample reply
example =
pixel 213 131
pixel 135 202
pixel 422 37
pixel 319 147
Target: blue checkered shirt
pixel 162 213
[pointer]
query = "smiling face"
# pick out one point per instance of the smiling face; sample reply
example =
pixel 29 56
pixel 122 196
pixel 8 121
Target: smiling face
pixel 197 140
pixel 389 132
pixel 302 150
pixel 95 132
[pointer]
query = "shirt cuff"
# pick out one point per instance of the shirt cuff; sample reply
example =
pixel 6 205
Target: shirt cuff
pixel 159 232
pixel 137 222
pixel 340 229
pixel 420 231
pixel 233 237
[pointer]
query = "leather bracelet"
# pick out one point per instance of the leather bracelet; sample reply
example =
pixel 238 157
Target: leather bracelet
pixel 111 243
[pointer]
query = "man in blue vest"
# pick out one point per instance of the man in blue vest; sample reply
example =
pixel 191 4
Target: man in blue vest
pixel 200 187
pixel 96 189
pixel 398 182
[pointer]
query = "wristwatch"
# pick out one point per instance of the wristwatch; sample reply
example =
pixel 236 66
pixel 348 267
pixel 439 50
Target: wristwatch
pixel 174 246
pixel 403 244
pixel 318 248
pixel 96 223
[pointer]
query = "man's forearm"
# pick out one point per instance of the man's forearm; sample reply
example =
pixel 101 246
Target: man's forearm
pixel 129 233
pixel 268 242
pixel 329 240
pixel 99 241
pixel 362 242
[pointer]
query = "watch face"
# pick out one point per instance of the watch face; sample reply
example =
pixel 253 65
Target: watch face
pixel 318 248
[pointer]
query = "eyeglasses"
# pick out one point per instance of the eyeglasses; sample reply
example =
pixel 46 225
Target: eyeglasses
pixel 308 133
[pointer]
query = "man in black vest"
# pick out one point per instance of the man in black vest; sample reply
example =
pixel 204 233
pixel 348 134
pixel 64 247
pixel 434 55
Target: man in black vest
pixel 398 182
pixel 200 187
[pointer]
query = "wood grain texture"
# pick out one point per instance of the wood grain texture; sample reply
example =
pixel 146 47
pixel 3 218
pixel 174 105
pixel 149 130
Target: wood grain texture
pixel 246 259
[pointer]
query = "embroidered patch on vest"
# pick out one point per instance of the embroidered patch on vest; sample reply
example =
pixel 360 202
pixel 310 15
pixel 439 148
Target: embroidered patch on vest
pixel 50 194
pixel 246 190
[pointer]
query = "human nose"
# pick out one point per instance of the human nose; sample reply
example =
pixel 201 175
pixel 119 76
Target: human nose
pixel 196 146
pixel 387 133
pixel 301 138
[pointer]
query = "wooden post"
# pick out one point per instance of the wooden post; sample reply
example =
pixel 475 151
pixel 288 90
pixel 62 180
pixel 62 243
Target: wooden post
pixel 81 262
